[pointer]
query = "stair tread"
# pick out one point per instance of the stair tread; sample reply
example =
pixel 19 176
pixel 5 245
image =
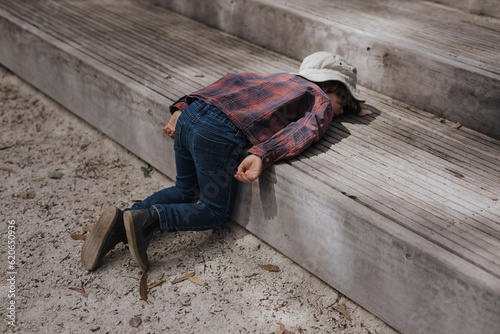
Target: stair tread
pixel 468 39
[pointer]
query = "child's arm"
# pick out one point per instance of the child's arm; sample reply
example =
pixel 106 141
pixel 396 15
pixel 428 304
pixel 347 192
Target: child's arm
pixel 169 129
pixel 175 110
pixel 249 169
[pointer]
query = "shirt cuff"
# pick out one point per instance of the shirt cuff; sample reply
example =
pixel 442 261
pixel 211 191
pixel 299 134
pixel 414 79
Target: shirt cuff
pixel 267 159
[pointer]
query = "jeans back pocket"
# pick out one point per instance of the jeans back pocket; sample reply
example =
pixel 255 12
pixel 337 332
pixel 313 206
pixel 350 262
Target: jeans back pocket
pixel 210 155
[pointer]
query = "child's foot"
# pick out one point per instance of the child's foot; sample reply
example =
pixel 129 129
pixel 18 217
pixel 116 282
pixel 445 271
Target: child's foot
pixel 140 226
pixel 106 234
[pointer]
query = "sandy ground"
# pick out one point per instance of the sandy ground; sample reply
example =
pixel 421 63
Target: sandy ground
pixel 41 211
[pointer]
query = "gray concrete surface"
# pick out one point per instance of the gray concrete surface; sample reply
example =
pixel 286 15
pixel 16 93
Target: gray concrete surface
pixel 434 58
pixel 406 278
pixel 478 7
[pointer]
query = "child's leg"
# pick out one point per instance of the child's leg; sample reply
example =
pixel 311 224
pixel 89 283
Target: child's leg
pixel 186 189
pixel 208 151
pixel 207 148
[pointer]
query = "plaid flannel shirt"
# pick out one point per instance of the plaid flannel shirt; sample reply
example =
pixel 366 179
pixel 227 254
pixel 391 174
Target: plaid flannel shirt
pixel 280 114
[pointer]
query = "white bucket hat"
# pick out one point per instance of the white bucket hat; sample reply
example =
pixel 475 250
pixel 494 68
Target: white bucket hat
pixel 325 66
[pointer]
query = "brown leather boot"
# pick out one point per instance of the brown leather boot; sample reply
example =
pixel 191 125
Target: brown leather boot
pixel 140 226
pixel 106 234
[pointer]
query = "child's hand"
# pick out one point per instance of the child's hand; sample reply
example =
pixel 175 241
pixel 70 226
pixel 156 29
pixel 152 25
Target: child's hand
pixel 169 129
pixel 249 169
pixel 365 112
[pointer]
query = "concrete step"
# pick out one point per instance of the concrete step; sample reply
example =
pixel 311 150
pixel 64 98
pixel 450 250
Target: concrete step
pixel 398 211
pixel 433 57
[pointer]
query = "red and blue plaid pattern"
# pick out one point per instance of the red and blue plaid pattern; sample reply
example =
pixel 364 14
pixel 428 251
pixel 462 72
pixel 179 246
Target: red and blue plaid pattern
pixel 281 114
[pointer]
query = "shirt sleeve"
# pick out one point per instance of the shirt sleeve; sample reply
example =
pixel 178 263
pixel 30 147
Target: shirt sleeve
pixel 297 136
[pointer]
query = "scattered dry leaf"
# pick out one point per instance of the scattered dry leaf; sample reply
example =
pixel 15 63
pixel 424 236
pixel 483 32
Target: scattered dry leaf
pixel 28 195
pixel 494 199
pixel 80 290
pixel 257 248
pixel 183 278
pixel 270 267
pixel 456 125
pixel 56 175
pixel 199 75
pixel 76 236
pixel 283 329
pixel 197 281
pixel 157 283
pixel 143 287
pixel 87 228
pixel 343 311
pixel 8 170
pixel 135 322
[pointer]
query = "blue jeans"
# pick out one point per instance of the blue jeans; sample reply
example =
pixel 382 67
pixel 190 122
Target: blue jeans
pixel 207 148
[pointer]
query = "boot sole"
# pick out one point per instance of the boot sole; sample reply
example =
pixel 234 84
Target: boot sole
pixel 132 241
pixel 94 243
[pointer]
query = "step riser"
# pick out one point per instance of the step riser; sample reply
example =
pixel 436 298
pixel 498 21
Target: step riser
pixel 445 88
pixel 114 104
pixel 374 263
